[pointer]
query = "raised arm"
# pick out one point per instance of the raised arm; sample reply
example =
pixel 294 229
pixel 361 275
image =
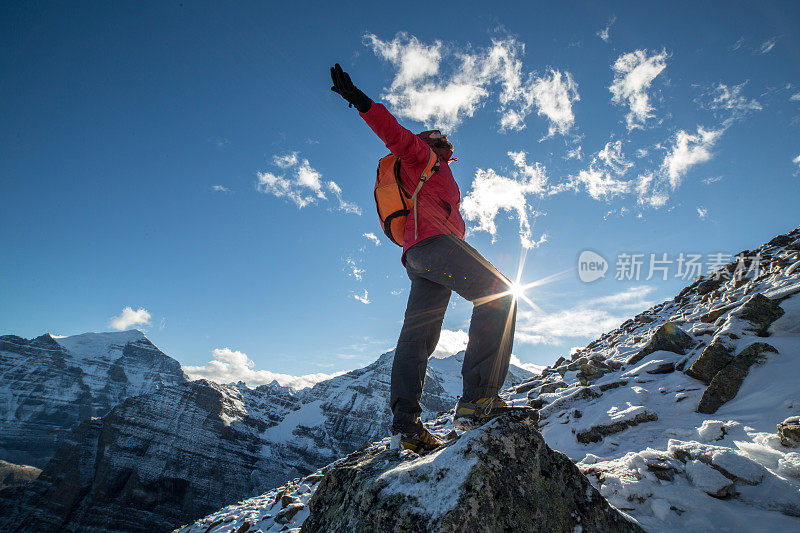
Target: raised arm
pixel 400 141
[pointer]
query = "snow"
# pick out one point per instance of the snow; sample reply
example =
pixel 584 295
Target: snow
pixel 99 345
pixel 706 478
pixel 440 472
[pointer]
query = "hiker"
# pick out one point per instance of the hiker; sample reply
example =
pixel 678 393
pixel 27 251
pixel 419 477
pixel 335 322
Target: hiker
pixel 439 261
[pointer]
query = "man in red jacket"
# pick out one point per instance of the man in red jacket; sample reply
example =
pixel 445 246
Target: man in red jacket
pixel 439 261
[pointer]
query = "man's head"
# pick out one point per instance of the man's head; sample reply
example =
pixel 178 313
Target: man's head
pixel 438 141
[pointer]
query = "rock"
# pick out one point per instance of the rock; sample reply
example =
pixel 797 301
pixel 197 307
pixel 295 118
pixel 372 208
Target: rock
pixel 780 240
pixel 528 385
pixel 12 475
pixel 708 285
pixel 500 477
pixel 669 337
pixel 548 388
pixel 726 382
pixel 624 420
pixel 560 361
pixel 761 312
pixel 664 368
pixel 714 358
pixel 789 431
pixel 286 514
pixel 590 372
pixel 536 403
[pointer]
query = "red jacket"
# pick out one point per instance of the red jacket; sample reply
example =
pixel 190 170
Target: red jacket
pixel 439 199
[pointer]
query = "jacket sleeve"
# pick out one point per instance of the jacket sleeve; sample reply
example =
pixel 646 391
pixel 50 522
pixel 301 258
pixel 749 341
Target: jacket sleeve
pixel 401 142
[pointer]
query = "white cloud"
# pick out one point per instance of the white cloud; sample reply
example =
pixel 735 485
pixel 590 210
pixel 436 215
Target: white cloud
pixel 634 72
pixel 450 342
pixel 796 160
pixel 589 318
pixel 363 299
pixel 702 212
pixel 396 292
pixel 688 150
pixel 530 367
pixel 300 183
pixel 230 366
pixel 491 193
pixel 347 207
pixel 795 97
pixel 601 180
pixel 441 85
pixel 220 188
pixel 575 153
pixel 355 271
pixel 730 97
pixel 553 97
pixel 129 318
pixel 373 238
pixel 768 45
pixel 712 179
pixel 604 34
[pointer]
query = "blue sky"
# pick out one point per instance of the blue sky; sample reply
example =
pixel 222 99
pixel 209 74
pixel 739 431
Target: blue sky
pixel 156 156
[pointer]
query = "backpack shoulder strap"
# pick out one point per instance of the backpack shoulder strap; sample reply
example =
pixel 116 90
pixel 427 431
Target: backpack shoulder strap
pixel 427 172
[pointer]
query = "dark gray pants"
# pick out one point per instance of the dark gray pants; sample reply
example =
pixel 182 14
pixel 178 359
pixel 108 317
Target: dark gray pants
pixel 437 266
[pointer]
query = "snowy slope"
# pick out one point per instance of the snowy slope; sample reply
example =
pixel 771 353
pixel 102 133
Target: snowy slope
pixel 625 410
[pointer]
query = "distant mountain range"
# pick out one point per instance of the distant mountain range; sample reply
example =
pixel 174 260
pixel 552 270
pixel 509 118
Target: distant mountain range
pixel 151 450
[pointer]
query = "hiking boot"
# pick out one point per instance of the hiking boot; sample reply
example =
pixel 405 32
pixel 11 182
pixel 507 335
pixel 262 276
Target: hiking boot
pixel 419 441
pixel 470 415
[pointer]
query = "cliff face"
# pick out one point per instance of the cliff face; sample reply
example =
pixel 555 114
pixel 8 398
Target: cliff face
pixel 48 385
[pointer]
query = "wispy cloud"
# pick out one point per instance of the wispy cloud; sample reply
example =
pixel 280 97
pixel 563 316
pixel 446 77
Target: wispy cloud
pixel 353 268
pixel 796 160
pixel 372 238
pixel 634 73
pixel 702 212
pixel 605 33
pixel 795 97
pixel 441 85
pixel 587 319
pixel 729 101
pixel 768 45
pixel 129 318
pixel 363 299
pixel 492 193
pixel 688 150
pixel 602 179
pixel 300 183
pixel 232 366
pixel 712 179
pixel 220 188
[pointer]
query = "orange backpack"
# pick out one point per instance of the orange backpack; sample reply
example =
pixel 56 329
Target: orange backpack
pixel 390 197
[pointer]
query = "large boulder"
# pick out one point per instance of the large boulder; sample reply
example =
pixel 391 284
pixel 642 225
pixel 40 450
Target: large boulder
pixel 500 477
pixel 669 337
pixel 714 358
pixel 761 312
pixel 726 382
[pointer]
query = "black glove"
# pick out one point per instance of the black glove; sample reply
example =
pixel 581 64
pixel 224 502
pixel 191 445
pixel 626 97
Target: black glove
pixel 348 91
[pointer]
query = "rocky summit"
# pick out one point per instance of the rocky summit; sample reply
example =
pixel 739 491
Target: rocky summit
pixel 500 477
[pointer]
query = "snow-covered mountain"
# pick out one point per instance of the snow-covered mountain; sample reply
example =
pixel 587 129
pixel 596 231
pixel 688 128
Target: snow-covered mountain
pixel 48 385
pixel 164 458
pixel 672 417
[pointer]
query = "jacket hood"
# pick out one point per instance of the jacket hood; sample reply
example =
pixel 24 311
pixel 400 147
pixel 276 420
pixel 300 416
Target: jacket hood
pixel 444 153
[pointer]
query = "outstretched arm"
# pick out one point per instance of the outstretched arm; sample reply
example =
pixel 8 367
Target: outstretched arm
pixel 400 141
